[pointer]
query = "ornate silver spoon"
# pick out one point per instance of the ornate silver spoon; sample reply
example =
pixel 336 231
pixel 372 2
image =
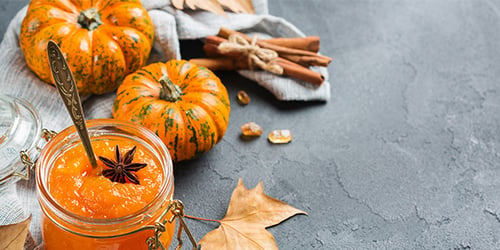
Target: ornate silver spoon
pixel 66 87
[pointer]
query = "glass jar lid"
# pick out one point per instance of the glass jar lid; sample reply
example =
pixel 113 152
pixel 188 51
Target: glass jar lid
pixel 20 130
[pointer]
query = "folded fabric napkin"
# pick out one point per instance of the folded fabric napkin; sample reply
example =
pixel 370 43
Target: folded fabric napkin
pixel 171 25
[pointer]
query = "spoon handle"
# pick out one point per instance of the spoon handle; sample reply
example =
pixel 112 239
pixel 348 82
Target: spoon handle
pixel 66 87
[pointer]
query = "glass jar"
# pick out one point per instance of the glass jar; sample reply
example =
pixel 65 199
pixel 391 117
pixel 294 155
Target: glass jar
pixel 143 229
pixel 20 134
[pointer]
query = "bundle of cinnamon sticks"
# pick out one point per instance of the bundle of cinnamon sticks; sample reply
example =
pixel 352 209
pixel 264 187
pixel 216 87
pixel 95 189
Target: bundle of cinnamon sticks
pixel 295 55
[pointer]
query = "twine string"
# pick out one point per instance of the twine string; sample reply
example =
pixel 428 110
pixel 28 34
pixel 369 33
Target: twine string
pixel 258 57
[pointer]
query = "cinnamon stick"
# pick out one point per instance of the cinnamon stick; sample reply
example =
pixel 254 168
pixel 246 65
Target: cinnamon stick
pixel 214 41
pixel 296 71
pixel 237 63
pixel 309 43
pixel 212 50
pixel 284 52
pixel 220 63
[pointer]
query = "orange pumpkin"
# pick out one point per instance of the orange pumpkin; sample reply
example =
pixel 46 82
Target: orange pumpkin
pixel 103 40
pixel 186 105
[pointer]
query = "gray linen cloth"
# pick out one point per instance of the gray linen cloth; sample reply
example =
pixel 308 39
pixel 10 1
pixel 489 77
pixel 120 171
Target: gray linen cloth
pixel 171 25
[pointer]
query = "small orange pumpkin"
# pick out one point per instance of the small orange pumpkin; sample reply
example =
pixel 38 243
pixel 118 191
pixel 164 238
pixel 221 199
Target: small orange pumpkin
pixel 186 105
pixel 103 40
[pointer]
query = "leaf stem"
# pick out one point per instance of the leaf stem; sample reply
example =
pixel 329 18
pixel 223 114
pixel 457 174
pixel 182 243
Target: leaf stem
pixel 199 218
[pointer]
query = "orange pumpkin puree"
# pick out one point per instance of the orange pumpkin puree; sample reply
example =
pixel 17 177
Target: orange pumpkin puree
pixel 82 190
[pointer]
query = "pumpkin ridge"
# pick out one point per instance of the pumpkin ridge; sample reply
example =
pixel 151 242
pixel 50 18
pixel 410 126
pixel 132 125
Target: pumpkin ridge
pixel 79 4
pixel 44 31
pixel 73 61
pixel 170 123
pixel 142 25
pixel 73 9
pixel 183 144
pixel 120 48
pixel 137 110
pixel 187 125
pixel 35 57
pixel 114 4
pixel 194 130
pixel 212 112
pixel 109 66
pixel 42 28
pixel 211 137
pixel 108 11
pixel 100 7
pixel 201 123
pixel 154 109
pixel 191 75
pixel 137 98
pixel 172 110
pixel 129 45
pixel 147 83
pixel 92 63
pixel 145 71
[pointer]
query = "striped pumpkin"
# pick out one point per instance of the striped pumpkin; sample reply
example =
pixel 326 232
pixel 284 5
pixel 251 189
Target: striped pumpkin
pixel 186 105
pixel 102 40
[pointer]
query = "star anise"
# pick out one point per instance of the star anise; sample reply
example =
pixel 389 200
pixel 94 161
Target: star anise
pixel 121 169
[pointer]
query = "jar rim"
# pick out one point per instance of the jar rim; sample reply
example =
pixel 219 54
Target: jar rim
pixel 130 220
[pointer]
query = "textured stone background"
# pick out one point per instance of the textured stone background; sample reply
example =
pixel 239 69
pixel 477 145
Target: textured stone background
pixel 406 153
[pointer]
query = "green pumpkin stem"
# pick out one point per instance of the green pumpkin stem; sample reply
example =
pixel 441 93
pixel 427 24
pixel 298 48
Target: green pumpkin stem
pixel 89 19
pixel 169 91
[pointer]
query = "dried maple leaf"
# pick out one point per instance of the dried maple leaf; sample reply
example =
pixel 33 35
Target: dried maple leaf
pixel 248 215
pixel 216 6
pixel 238 6
pixel 13 236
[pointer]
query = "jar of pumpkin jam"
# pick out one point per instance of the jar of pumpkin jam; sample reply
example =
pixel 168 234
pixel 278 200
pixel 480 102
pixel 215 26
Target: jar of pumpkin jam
pixel 106 207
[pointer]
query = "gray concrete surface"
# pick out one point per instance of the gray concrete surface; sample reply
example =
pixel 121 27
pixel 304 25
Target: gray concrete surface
pixel 406 154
